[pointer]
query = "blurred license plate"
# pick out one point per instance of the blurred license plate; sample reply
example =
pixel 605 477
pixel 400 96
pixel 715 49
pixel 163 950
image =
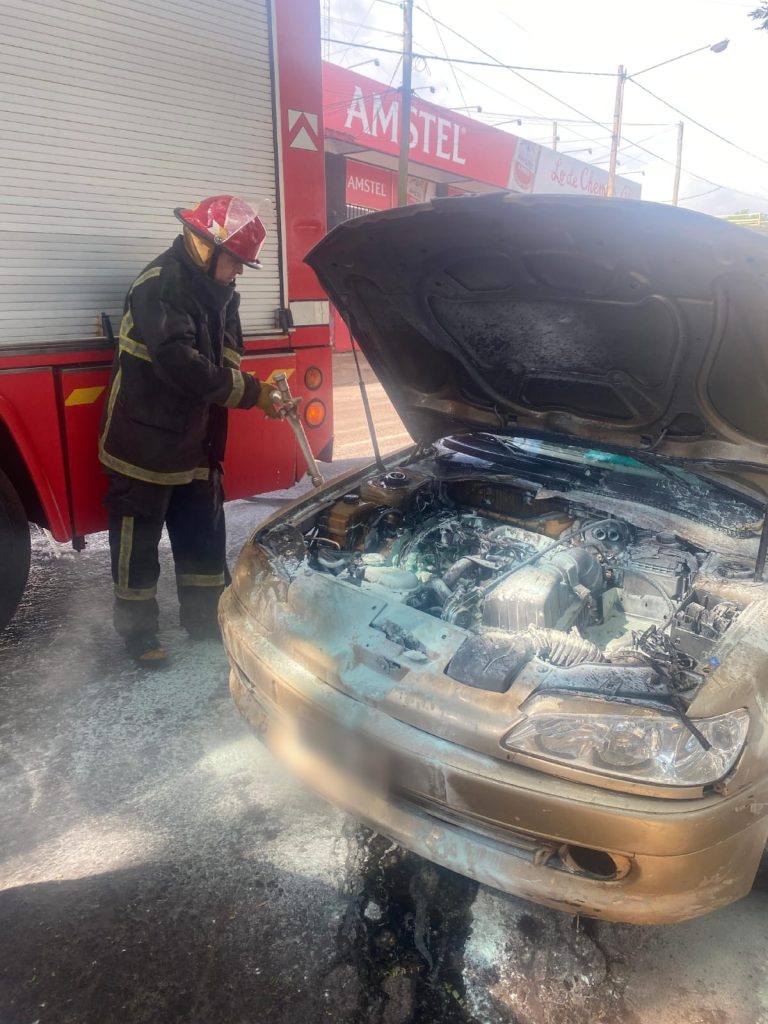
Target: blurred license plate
pixel 351 752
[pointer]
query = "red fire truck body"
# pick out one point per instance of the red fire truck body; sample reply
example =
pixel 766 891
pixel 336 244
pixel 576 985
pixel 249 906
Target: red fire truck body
pixel 97 146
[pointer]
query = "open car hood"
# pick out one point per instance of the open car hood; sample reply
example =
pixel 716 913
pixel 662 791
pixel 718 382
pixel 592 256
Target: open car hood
pixel 619 322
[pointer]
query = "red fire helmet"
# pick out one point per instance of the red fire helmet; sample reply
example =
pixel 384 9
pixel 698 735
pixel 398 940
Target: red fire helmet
pixel 230 224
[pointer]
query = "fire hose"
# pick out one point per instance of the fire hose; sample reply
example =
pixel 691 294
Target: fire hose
pixel 283 392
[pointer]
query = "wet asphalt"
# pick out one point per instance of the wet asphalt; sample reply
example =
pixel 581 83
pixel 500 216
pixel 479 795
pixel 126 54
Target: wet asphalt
pixel 157 865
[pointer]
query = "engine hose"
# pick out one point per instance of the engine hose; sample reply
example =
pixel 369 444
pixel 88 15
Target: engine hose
pixel 453 574
pixel 507 653
pixel 372 536
pixel 564 649
pixel 332 564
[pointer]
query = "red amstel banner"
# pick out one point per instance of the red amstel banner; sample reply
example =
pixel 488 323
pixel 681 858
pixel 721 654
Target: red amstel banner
pixel 361 110
pixel 369 186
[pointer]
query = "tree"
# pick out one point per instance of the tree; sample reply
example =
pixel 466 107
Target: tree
pixel 761 14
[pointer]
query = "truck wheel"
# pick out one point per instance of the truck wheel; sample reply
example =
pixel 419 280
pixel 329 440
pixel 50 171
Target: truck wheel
pixel 15 549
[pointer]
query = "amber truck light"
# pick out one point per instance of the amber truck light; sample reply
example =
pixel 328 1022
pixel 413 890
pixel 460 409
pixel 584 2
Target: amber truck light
pixel 313 378
pixel 314 413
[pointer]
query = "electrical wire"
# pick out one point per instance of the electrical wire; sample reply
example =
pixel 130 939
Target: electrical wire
pixel 364 20
pixel 516 69
pixel 369 28
pixel 486 85
pixel 574 120
pixel 687 199
pixel 699 177
pixel 445 51
pixel 466 74
pixel 590 119
pixel 515 72
pixel 698 124
pixel 464 60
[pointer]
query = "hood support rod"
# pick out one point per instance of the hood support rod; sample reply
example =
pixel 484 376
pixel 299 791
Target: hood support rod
pixel 762 550
pixel 366 404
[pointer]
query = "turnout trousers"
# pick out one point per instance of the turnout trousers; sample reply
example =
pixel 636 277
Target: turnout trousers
pixel 194 516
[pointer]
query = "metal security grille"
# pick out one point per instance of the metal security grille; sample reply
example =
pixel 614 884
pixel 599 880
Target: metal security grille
pixel 356 211
pixel 111 115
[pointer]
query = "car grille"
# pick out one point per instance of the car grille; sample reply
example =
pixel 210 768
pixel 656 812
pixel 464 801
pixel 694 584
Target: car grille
pixel 530 847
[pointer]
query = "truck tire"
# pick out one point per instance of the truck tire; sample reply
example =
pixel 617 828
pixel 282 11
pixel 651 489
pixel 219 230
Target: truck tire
pixel 15 550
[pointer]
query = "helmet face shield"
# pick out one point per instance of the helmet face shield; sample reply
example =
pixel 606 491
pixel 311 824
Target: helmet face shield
pixel 228 222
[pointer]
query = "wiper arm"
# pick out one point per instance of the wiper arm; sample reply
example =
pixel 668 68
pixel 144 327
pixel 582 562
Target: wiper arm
pixel 503 442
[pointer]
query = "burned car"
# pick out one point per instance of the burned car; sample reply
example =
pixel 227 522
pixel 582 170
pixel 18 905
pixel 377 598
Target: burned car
pixel 533 647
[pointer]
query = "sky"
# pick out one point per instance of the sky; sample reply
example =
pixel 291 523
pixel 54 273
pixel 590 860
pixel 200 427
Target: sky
pixel 723 91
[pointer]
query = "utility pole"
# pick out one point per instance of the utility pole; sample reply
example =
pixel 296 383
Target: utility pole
pixel 554 135
pixel 616 134
pixel 678 164
pixel 405 104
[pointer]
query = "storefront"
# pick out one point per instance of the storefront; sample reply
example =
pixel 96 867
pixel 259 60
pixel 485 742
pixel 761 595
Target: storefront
pixel 449 155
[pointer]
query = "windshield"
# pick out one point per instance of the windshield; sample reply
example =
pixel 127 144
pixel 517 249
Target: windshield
pixel 627 465
pixel 645 479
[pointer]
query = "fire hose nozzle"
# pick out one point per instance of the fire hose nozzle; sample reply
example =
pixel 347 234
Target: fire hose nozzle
pixel 283 392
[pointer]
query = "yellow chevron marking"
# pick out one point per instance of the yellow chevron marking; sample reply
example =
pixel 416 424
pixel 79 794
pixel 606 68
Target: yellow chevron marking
pixel 288 374
pixel 84 396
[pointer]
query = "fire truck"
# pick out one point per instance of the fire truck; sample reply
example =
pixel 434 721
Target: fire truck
pixel 112 115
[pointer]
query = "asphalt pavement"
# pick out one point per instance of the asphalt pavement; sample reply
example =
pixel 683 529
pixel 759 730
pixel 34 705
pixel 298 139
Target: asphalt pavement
pixel 157 865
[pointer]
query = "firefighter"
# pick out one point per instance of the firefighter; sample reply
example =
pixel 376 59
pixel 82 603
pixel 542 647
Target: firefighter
pixel 175 376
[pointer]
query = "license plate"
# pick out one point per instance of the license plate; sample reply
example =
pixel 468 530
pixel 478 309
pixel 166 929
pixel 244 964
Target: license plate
pixel 351 752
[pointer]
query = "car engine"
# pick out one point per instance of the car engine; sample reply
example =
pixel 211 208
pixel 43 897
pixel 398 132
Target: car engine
pixel 536 577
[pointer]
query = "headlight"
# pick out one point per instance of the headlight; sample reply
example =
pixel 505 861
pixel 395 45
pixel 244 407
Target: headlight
pixel 643 748
pixel 260 582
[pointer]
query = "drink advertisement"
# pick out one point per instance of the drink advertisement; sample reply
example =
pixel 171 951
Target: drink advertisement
pixel 522 173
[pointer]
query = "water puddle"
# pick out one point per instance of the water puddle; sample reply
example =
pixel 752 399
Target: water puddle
pixel 404 932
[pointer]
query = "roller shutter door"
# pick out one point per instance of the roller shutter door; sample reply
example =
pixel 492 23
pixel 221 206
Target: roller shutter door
pixel 112 114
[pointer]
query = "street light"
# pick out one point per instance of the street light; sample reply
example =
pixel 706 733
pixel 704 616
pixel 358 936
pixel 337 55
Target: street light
pixel 374 60
pixel 619 106
pixel 476 109
pixel 715 48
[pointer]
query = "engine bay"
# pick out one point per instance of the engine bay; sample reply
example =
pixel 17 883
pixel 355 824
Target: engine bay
pixel 532 578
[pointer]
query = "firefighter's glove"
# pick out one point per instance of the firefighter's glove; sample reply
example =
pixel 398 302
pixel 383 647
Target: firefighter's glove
pixel 270 402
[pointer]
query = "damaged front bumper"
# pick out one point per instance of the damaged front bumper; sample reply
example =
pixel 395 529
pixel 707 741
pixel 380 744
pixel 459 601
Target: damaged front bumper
pixel 559 843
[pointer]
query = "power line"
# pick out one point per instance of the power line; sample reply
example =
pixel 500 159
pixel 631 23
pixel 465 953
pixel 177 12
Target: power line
pixel 463 60
pixel 369 28
pixel 647 138
pixel 486 85
pixel 367 15
pixel 699 177
pixel 574 120
pixel 515 72
pixel 698 124
pixel 592 120
pixel 450 62
pixel 687 199
pixel 515 69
